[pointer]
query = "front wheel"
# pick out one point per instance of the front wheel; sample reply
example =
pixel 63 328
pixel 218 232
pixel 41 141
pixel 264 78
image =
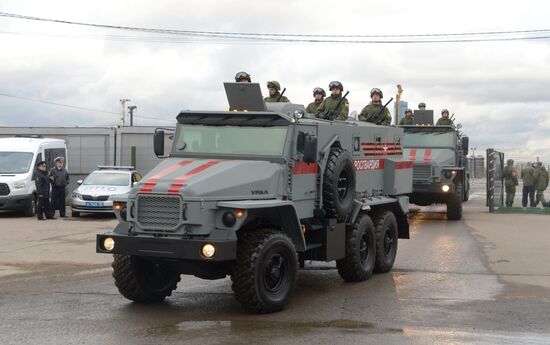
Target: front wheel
pixel 265 272
pixel 142 280
pixel 454 204
pixel 360 248
pixel 30 207
pixel 386 241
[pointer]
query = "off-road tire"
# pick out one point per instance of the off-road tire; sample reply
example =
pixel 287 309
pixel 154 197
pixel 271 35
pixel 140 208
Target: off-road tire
pixel 259 286
pixel 467 192
pixel 358 264
pixel 143 281
pixel 30 207
pixel 338 183
pixel 454 204
pixel 386 231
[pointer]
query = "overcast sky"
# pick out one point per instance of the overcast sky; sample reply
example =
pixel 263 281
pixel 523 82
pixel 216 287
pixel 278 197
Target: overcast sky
pixel 499 91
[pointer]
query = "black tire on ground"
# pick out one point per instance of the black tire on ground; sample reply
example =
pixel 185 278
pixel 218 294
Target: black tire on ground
pixel 385 226
pixel 358 264
pixel 75 213
pixel 30 207
pixel 265 272
pixel 144 281
pixel 454 204
pixel 338 183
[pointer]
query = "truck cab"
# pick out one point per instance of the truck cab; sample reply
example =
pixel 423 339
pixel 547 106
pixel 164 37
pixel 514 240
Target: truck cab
pixel 18 159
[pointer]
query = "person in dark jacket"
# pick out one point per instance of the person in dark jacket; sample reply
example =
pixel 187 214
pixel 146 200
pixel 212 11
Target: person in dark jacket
pixel 43 191
pixel 59 177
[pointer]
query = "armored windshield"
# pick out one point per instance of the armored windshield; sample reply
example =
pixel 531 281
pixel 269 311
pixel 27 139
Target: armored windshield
pixel 235 140
pixel 429 139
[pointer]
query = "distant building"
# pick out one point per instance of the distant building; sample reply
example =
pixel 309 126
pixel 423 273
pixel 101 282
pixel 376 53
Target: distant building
pixel 476 166
pixel 403 105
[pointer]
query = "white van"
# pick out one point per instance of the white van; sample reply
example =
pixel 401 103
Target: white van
pixel 18 158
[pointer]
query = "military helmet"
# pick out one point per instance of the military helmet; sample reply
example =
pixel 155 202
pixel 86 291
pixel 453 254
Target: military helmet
pixel 376 91
pixel 445 111
pixel 242 76
pixel 335 84
pixel 319 90
pixel 408 111
pixel 421 105
pixel 273 84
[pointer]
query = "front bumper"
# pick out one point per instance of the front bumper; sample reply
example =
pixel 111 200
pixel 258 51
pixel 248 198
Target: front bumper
pixel 80 205
pixel 435 188
pixel 15 202
pixel 163 247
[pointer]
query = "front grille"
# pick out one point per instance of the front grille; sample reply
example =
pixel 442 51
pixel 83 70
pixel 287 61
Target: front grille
pixel 95 198
pixel 4 189
pixel 422 171
pixel 159 212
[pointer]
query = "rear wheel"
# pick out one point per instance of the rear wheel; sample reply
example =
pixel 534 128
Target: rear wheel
pixel 265 272
pixel 30 207
pixel 358 263
pixel 141 280
pixel 386 241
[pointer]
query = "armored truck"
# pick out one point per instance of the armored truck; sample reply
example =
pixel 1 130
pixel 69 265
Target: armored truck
pixel 254 194
pixel 440 174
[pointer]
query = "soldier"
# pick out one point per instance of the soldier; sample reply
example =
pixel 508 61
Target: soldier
pixel 319 95
pixel 528 177
pixel 370 111
pixel 43 191
pixel 444 120
pixel 510 182
pixel 329 104
pixel 408 119
pixel 59 177
pixel 242 77
pixel 421 106
pixel 541 183
pixel 274 87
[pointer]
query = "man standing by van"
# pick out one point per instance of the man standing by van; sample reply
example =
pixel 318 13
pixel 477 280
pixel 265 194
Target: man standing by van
pixel 59 177
pixel 43 208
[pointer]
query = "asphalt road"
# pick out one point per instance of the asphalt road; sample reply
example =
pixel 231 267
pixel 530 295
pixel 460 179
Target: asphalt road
pixel 484 280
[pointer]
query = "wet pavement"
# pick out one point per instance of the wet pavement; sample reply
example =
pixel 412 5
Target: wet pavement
pixel 466 282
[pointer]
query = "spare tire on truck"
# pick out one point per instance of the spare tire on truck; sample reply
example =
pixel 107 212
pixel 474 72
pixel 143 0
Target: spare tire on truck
pixel 338 183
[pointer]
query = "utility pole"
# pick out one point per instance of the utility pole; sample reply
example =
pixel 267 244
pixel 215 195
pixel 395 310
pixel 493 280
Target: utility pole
pixel 131 109
pixel 123 112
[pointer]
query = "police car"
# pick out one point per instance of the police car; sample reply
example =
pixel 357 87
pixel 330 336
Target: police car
pixel 95 192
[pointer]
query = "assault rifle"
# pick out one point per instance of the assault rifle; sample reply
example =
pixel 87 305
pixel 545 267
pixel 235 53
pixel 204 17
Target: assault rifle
pixel 329 114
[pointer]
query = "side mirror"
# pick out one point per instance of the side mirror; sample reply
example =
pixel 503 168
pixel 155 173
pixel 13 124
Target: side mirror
pixel 158 143
pixel 310 149
pixel 465 145
pixel 79 182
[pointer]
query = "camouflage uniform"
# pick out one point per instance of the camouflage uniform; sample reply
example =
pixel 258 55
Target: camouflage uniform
pixel 527 175
pixel 312 107
pixel 541 183
pixel 510 182
pixel 273 99
pixel 406 121
pixel 444 122
pixel 373 109
pixel 330 104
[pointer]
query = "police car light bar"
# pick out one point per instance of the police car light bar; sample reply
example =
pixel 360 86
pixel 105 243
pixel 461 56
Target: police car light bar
pixel 113 167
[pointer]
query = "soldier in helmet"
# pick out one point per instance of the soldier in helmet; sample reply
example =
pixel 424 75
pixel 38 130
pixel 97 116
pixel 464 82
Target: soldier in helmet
pixel 329 103
pixel 274 87
pixel 421 106
pixel 510 182
pixel 444 119
pixel 408 119
pixel 242 77
pixel 369 112
pixel 528 177
pixel 541 183
pixel 318 95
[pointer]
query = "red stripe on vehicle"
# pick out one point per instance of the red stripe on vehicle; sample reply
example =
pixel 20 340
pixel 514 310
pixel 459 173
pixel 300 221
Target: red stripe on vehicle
pixel 368 164
pixel 412 155
pixel 180 180
pixel 404 165
pixel 427 155
pixel 152 182
pixel 301 168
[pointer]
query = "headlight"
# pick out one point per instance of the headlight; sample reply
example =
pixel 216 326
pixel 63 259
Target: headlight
pixel 19 184
pixel 208 250
pixel 445 188
pixel 77 195
pixel 109 244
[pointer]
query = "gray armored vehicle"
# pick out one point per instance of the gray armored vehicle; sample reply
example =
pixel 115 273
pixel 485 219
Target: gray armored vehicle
pixel 255 192
pixel 440 174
